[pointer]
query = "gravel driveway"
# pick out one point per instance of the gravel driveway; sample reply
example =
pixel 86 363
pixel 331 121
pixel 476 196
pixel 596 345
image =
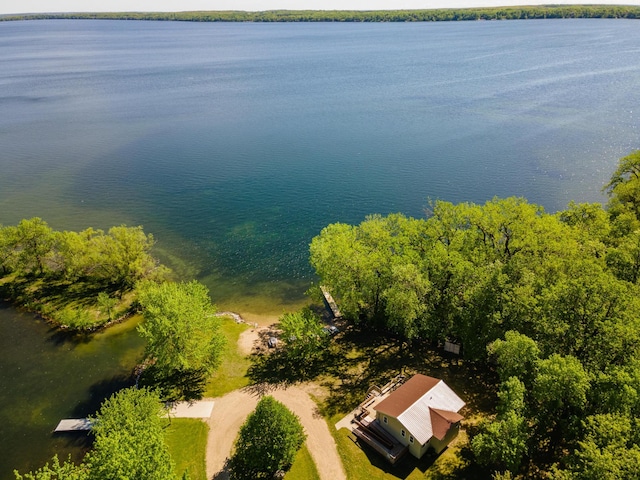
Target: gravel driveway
pixel 231 410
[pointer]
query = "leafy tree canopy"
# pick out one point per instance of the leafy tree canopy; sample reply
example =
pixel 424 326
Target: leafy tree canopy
pixel 552 299
pixel 56 471
pixel 268 442
pixel 129 439
pixel 180 327
pixel 516 355
pixel 118 258
pixel 129 443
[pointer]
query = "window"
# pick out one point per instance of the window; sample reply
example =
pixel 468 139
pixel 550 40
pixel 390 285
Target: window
pixel 404 434
pixel 411 439
pixel 384 420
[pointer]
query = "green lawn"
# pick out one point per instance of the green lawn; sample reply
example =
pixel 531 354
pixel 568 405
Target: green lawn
pixel 360 361
pixel 362 463
pixel 231 374
pixel 303 467
pixel 187 442
pixel 187 438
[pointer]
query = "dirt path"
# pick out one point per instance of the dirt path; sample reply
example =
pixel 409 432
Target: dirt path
pixel 229 413
pixel 231 410
pixel 253 339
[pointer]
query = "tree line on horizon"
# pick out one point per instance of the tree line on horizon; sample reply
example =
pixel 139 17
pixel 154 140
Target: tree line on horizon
pixel 432 15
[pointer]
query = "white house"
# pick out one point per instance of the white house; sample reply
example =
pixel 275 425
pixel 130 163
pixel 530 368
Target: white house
pixel 421 413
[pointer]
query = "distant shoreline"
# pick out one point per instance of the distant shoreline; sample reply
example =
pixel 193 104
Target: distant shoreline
pixel 432 15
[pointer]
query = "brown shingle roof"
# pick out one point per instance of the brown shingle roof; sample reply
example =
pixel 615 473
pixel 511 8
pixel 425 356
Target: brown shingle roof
pixel 425 406
pixel 441 421
pixel 405 396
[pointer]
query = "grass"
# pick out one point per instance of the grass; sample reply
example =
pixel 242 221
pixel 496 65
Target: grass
pixel 303 467
pixel 362 463
pixel 187 442
pixel 355 361
pixel 69 304
pixel 358 359
pixel 231 374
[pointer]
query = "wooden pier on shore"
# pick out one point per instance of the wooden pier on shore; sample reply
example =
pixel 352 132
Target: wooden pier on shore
pixel 200 409
pixel 331 303
pixel 73 425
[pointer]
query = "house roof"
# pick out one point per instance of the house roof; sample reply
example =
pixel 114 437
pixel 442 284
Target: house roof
pixel 441 421
pixel 426 406
pixel 406 395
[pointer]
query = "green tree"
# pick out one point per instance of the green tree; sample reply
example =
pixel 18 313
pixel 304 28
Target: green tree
pixel 502 443
pixel 624 187
pixel 609 450
pixel 129 439
pixel 590 218
pixel 180 327
pixel 511 396
pixel 407 300
pixel 34 241
pixel 624 257
pixel 590 314
pixel 561 383
pixel 74 253
pixel 516 356
pixel 367 266
pixel 559 401
pixel 617 389
pixel 268 442
pixel 124 257
pixel 303 336
pixel 107 304
pixel 8 241
pixel 56 471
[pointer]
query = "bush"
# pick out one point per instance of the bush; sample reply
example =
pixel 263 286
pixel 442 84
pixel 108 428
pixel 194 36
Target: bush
pixel 73 318
pixel 267 443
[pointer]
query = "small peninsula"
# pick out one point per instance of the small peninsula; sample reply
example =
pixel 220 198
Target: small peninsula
pixel 77 280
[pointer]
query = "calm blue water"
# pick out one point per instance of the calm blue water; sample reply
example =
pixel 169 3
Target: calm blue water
pixel 236 143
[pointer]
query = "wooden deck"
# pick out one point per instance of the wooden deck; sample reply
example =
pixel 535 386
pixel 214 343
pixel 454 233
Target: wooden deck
pixel 331 303
pixel 378 439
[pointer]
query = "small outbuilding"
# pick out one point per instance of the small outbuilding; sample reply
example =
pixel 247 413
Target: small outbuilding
pixel 421 413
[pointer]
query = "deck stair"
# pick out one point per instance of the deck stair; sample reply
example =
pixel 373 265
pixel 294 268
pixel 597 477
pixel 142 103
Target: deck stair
pixel 374 436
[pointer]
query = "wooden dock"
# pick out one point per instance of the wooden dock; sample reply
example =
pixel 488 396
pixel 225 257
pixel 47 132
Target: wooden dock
pixel 73 425
pixel 331 303
pixel 200 409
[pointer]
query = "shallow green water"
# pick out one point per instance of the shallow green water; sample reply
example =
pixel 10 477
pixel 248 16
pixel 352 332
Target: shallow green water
pixel 48 375
pixel 234 144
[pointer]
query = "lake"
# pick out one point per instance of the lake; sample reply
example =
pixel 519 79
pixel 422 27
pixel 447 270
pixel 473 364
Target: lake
pixel 235 144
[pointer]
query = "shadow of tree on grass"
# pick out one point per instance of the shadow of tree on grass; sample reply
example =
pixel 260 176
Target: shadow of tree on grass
pixel 357 359
pixel 176 385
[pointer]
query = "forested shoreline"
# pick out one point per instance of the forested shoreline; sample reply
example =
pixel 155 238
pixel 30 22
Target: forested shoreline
pixel 546 304
pixel 432 15
pixel 76 280
pixel 550 301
